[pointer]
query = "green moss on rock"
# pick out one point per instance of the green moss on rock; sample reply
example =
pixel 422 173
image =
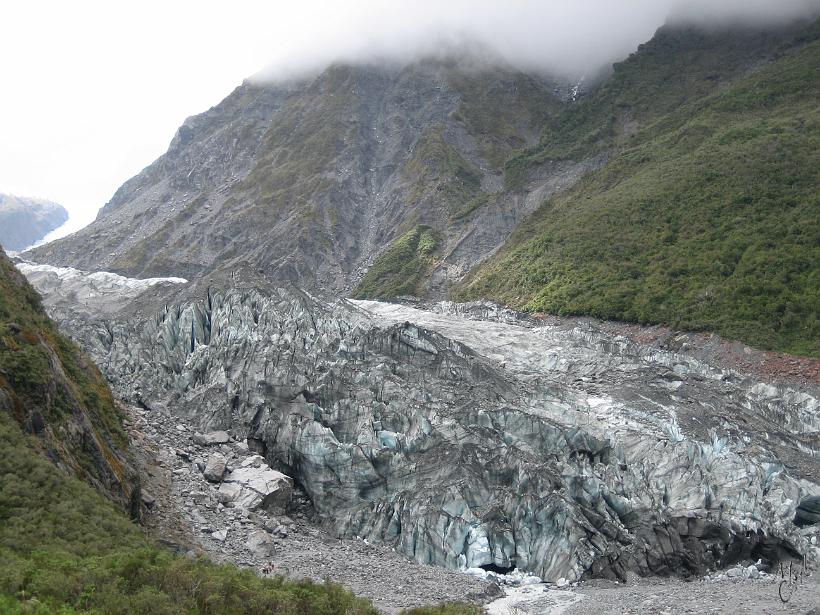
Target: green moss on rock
pixel 438 174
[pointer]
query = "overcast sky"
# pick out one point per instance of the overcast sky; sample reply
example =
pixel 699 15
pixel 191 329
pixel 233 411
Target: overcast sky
pixel 92 92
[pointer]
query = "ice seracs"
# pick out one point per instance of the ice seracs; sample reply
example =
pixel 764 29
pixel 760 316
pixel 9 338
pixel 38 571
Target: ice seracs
pixel 464 436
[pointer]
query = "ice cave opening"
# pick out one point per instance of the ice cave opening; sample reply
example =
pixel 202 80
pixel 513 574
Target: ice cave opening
pixel 497 569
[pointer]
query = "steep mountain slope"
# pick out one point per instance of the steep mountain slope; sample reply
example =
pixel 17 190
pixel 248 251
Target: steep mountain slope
pixel 308 181
pixel 25 221
pixel 678 66
pixel 707 218
pixel 51 390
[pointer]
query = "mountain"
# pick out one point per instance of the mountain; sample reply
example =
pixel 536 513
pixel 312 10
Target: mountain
pixel 465 435
pixel 25 221
pixel 679 189
pixel 309 181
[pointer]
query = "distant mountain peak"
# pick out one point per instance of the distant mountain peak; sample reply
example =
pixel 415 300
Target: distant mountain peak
pixel 24 221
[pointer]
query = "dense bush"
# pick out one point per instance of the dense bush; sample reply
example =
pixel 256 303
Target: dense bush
pixel 402 268
pixel 707 218
pixel 30 345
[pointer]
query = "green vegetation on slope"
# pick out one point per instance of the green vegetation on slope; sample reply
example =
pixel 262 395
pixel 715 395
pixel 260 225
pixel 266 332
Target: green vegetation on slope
pixel 298 148
pixel 678 66
pixel 709 219
pixel 402 268
pixel 51 389
pixel 28 344
pixel 499 107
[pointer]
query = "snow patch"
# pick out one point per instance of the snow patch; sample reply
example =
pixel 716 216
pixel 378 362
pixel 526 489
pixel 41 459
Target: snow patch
pixel 102 279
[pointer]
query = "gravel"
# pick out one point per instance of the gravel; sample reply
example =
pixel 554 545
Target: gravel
pixel 673 596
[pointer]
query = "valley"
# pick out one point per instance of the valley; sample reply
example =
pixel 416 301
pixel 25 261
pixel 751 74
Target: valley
pixel 657 457
pixel 450 334
pixel 26 221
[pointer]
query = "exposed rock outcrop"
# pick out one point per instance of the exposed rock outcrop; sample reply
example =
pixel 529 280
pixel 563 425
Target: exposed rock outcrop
pixel 560 449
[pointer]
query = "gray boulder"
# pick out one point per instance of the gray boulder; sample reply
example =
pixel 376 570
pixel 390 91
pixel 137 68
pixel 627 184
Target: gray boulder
pixel 214 437
pixel 260 544
pixel 254 461
pixel 256 488
pixel 215 468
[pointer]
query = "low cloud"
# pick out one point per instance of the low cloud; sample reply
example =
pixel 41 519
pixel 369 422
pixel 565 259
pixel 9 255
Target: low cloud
pixel 743 12
pixel 560 37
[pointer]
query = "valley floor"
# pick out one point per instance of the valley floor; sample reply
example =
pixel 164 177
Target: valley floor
pixel 662 597
pixel 672 596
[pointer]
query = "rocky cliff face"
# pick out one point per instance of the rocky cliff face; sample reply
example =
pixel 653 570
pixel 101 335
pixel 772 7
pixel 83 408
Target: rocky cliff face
pixel 467 437
pixel 24 222
pixel 310 181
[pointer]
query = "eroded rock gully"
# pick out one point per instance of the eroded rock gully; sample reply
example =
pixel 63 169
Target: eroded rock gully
pixel 465 436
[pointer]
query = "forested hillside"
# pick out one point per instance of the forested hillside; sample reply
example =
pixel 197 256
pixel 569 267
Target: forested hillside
pixel 707 215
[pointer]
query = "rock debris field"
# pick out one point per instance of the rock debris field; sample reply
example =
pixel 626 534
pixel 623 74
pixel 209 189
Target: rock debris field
pixel 184 508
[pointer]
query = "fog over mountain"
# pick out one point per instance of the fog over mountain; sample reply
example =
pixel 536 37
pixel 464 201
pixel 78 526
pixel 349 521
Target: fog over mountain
pixel 561 38
pixel 201 50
